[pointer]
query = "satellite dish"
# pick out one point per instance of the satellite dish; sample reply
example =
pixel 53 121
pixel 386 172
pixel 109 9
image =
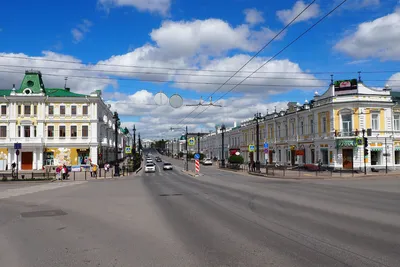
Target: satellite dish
pixel 161 99
pixel 176 101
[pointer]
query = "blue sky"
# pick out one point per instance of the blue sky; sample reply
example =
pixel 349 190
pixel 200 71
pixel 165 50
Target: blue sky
pixel 362 35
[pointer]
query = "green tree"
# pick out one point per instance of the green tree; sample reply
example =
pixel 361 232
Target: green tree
pixel 236 159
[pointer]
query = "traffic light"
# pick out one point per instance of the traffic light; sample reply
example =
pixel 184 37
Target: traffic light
pixel 365 146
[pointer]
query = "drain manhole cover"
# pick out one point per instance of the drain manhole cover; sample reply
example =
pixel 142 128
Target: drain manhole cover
pixel 43 213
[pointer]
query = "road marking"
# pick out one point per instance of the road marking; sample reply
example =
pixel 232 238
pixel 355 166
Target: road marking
pixel 14 192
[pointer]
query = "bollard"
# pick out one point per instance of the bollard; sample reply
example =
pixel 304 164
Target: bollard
pixel 299 169
pixel 105 174
pixel 99 172
pixel 85 175
pixel 32 176
pixel 112 173
pixel 74 176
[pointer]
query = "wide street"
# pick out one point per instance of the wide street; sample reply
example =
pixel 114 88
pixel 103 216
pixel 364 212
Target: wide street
pixel 169 218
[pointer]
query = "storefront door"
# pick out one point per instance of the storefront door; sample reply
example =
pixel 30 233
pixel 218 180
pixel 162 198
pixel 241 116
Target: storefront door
pixel 347 158
pixel 26 160
pixel 292 157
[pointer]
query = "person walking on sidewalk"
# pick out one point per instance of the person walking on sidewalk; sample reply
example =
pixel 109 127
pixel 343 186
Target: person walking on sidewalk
pixel 94 170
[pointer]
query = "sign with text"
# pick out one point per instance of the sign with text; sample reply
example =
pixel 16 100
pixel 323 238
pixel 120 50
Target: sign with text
pixel 345 87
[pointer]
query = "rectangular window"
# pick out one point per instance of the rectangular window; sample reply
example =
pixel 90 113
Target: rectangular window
pixel 73 110
pixel 324 124
pixel 61 131
pixel 311 126
pixel 279 155
pixel 396 122
pixel 301 127
pixel 19 109
pixel 51 110
pixel 278 131
pixel 74 131
pixel 347 128
pixel 27 131
pixel 85 131
pixel 293 130
pixel 62 110
pixel 375 122
pixel 34 110
pixel 50 131
pixel 286 130
pixel 3 110
pixel 27 110
pixel 84 110
pixel 34 131
pixel 19 131
pixel 3 131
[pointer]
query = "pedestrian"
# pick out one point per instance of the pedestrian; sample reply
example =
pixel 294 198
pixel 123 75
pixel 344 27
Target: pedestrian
pixel 253 166
pixel 249 166
pixel 64 172
pixel 58 173
pixel 91 170
pixel 106 166
pixel 94 170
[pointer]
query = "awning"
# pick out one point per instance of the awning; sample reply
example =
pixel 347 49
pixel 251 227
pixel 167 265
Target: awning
pixel 376 148
pixel 346 143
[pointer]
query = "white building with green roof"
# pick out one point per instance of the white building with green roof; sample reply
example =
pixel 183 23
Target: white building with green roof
pixel 55 126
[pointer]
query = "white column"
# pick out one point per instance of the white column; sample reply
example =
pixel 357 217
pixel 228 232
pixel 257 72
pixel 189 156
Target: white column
pixel 93 154
pixel 9 159
pixel 40 162
pixel 34 163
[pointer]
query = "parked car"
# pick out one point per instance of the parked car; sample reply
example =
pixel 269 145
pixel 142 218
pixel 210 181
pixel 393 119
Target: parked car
pixel 207 162
pixel 167 166
pixel 150 167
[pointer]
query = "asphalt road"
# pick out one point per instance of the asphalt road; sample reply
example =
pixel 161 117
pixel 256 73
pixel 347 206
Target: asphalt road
pixel 168 218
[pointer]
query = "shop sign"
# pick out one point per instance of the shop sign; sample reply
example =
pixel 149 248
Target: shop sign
pixel 299 152
pixel 345 87
pixel 76 168
pixel 83 150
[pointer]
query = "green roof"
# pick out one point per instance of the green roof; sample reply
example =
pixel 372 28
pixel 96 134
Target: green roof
pixel 5 92
pixel 32 80
pixel 59 92
pixel 395 95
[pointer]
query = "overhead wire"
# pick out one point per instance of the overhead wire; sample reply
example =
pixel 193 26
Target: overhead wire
pixel 280 51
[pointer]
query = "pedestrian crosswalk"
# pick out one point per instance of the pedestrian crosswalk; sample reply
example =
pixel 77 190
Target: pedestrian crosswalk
pixel 14 192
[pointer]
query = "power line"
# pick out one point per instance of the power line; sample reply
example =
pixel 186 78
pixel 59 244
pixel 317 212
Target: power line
pixel 89 64
pixel 254 56
pixel 280 51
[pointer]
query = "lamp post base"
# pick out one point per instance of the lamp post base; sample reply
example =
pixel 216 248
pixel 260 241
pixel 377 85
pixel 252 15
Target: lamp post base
pixel 223 163
pixel 116 170
pixel 258 166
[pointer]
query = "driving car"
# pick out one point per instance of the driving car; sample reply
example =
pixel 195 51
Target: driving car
pixel 207 162
pixel 149 161
pixel 167 166
pixel 158 159
pixel 150 167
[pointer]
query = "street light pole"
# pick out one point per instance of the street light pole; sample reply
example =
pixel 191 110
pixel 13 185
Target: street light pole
pixel 134 146
pixel 365 164
pixel 187 152
pixel 223 128
pixel 116 120
pixel 257 116
pixel 198 143
pixel 386 156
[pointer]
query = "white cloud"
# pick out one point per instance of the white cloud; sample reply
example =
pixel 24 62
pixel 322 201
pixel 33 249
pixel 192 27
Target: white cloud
pixel 358 62
pixel 211 36
pixel 161 118
pixel 288 15
pixel 394 81
pixel 20 62
pixel 280 73
pixel 78 33
pixel 157 6
pixel 253 16
pixel 376 39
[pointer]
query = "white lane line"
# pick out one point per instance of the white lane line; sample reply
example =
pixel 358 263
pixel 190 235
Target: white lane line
pixel 13 192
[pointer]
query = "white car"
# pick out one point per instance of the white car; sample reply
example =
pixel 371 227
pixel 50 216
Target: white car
pixel 167 166
pixel 149 161
pixel 207 162
pixel 150 167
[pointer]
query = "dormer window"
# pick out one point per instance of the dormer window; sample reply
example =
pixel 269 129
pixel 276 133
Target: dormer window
pixel 27 91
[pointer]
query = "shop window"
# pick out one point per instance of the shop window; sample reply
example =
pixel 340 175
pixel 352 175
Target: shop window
pixel 397 157
pixel 324 155
pixel 49 158
pixel 376 157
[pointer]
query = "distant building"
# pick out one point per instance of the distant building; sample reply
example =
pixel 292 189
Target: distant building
pixel 327 129
pixel 55 126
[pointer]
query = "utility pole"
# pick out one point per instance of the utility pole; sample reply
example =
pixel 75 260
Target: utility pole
pixel 187 152
pixel 134 146
pixel 223 128
pixel 386 156
pixel 257 116
pixel 117 124
pixel 365 144
pixel 198 143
